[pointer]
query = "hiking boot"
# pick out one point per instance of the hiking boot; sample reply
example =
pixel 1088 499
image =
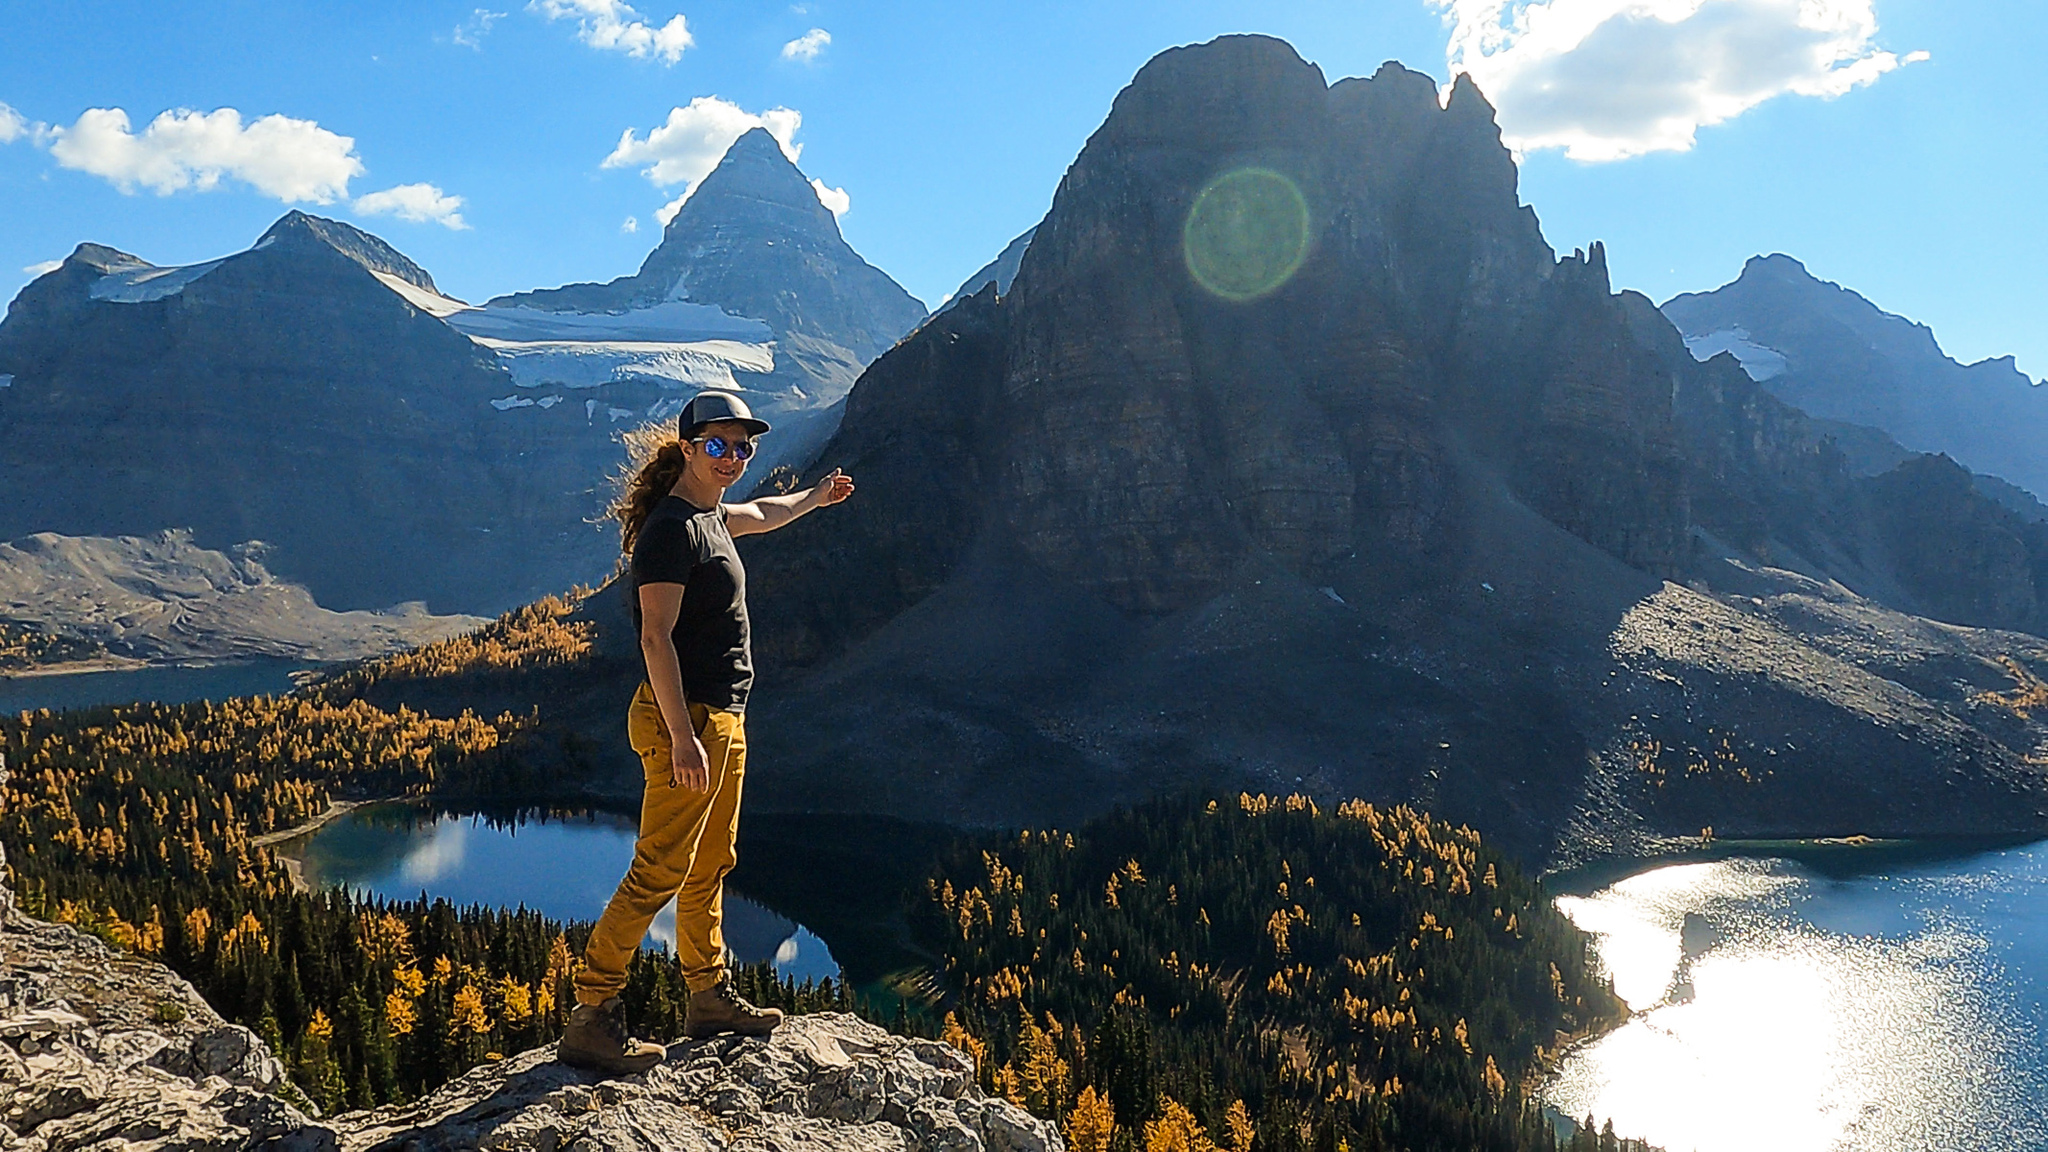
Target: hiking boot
pixel 596 1038
pixel 720 1009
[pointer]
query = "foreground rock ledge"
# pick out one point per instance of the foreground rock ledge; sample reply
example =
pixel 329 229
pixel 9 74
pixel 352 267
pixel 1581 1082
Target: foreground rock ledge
pixel 103 1050
pixel 828 1081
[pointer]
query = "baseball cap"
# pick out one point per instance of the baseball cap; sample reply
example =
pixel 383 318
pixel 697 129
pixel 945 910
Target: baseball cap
pixel 706 407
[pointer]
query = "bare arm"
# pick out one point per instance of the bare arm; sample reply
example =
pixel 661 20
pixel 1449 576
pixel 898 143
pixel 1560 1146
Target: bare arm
pixel 660 604
pixel 771 512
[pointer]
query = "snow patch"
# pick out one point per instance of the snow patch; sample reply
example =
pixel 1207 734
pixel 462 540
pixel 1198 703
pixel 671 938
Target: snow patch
pixel 618 414
pixel 671 321
pixel 148 282
pixel 548 401
pixel 507 403
pixel 432 303
pixel 6 381
pixel 1760 362
pixel 576 364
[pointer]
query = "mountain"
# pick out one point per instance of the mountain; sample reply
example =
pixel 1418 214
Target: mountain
pixel 387 443
pixel 1355 486
pixel 1835 355
pixel 753 240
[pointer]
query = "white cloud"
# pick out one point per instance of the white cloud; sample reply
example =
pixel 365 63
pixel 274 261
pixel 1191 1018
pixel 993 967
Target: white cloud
pixel 1609 79
pixel 43 267
pixel 688 146
pixel 667 212
pixel 807 46
pixel 471 32
pixel 419 203
pixel 292 160
pixel 615 27
pixel 631 225
pixel 834 198
pixel 13 125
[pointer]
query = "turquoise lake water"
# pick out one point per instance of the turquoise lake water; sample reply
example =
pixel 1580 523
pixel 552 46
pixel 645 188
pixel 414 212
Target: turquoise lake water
pixel 1784 1009
pixel 563 867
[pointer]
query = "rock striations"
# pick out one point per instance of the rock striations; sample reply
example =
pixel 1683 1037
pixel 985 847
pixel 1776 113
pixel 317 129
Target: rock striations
pixel 287 394
pixel 102 1050
pixel 1292 456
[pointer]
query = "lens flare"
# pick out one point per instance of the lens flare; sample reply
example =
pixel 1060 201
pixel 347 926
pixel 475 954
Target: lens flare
pixel 1246 234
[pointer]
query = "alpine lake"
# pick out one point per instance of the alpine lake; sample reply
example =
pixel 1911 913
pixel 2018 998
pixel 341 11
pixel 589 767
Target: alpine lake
pixel 1794 996
pixel 816 897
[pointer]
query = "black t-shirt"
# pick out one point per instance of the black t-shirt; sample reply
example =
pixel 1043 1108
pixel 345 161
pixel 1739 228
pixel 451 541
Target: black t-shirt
pixel 683 544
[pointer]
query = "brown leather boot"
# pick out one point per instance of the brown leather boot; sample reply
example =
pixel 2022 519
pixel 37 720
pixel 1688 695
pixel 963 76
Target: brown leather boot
pixel 721 1009
pixel 596 1038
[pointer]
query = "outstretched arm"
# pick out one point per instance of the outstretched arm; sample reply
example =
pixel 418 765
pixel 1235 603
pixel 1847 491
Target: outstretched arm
pixel 771 512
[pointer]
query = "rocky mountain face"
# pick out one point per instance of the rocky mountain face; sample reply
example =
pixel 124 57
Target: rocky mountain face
pixel 388 443
pixel 286 394
pixel 1835 355
pixel 1434 515
pixel 99 1049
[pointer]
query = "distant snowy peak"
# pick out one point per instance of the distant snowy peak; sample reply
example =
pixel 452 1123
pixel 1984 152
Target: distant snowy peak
pixel 1836 355
pixel 296 228
pixel 129 279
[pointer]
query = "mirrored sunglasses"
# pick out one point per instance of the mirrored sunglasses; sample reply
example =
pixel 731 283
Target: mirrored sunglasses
pixel 717 446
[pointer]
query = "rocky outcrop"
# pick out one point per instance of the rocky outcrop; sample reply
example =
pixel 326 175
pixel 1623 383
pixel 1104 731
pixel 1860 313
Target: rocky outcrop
pixel 167 599
pixel 1832 353
pixel 99 1049
pixel 828 1081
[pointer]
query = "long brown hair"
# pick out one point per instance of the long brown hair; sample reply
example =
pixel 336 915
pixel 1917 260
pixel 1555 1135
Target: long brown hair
pixel 654 462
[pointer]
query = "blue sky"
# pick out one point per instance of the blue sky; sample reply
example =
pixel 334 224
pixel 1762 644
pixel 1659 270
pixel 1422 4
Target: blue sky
pixel 947 126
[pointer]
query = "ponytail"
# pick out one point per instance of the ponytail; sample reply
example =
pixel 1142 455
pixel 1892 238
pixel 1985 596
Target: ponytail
pixel 654 462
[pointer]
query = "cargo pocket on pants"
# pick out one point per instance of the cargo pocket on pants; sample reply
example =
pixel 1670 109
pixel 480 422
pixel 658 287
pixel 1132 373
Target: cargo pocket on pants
pixel 648 735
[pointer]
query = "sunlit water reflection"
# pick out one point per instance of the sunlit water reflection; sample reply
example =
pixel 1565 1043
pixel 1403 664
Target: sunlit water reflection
pixel 564 868
pixel 1778 1009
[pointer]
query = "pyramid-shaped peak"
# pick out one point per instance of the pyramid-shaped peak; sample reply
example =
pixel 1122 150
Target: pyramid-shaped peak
pixel 756 139
pixel 754 175
pixel 296 227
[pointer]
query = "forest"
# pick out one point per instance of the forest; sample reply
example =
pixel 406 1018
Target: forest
pixel 1188 976
pixel 1191 975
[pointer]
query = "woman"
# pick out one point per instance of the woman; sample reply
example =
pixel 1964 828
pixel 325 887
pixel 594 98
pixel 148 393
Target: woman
pixel 690 607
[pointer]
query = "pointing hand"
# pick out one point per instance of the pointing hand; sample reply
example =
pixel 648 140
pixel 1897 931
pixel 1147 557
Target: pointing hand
pixel 836 486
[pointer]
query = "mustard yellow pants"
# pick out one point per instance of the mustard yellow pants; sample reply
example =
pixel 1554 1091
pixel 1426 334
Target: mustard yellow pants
pixel 687 844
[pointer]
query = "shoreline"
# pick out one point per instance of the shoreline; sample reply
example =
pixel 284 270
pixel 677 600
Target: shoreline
pixel 294 867
pixel 1830 855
